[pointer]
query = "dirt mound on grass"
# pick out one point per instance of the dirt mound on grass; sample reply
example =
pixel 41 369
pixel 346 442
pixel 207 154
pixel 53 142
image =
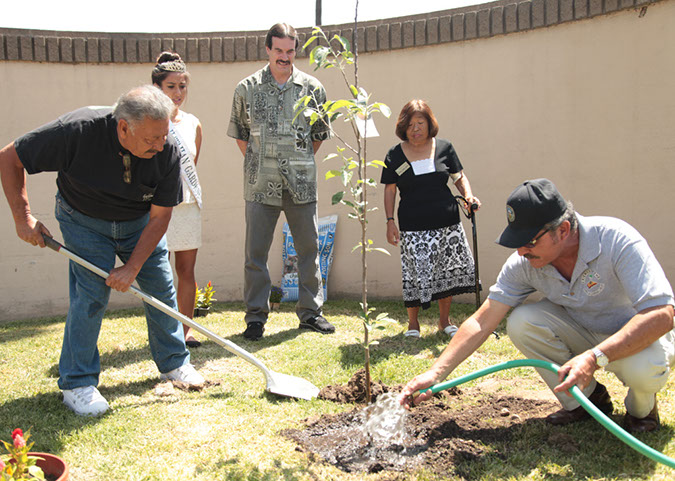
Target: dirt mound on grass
pixel 445 434
pixel 355 390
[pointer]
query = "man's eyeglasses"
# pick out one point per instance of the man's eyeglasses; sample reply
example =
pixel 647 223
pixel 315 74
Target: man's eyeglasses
pixel 126 160
pixel 533 242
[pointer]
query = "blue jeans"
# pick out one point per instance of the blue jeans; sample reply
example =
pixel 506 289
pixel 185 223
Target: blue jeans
pixel 99 241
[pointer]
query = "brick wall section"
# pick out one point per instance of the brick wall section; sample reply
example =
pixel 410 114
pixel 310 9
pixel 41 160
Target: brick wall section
pixel 501 17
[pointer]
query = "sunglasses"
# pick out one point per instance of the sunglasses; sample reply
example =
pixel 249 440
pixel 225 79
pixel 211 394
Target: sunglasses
pixel 533 242
pixel 126 160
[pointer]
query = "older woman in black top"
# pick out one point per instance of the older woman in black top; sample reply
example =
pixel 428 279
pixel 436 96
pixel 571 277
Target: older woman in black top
pixel 435 257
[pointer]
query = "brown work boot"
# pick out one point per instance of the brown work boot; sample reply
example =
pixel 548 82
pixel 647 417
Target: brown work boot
pixel 599 397
pixel 643 425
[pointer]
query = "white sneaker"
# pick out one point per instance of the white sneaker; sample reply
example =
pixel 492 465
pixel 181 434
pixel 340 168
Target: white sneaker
pixel 85 401
pixel 186 373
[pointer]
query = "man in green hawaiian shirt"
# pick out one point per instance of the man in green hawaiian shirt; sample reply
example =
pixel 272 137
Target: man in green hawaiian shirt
pixel 279 174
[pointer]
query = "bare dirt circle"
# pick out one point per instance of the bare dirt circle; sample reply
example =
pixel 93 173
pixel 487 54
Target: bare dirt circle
pixel 445 434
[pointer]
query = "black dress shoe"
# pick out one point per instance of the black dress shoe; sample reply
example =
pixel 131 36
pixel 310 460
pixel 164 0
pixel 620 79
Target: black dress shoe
pixel 600 398
pixel 643 425
pixel 254 331
pixel 193 343
pixel 319 324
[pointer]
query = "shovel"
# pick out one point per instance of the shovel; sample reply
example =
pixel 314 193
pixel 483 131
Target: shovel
pixel 277 383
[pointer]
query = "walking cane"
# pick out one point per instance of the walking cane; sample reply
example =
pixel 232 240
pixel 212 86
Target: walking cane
pixel 470 213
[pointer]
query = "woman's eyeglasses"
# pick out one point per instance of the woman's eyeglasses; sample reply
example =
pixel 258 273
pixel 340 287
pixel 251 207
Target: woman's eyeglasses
pixel 126 160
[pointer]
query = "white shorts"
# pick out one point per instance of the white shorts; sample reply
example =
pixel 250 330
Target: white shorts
pixel 185 228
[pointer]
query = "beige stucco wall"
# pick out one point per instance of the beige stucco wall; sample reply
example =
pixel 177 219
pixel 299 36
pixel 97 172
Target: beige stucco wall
pixel 588 104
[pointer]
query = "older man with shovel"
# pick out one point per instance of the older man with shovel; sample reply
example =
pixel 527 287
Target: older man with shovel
pixel 118 179
pixel 607 305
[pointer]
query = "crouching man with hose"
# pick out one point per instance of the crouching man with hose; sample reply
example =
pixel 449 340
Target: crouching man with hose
pixel 607 304
pixel 118 180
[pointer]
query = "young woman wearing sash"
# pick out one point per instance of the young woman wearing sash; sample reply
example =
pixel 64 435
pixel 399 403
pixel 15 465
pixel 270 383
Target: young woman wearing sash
pixel 184 235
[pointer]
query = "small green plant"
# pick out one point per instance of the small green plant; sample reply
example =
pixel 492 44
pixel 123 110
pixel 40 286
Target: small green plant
pixel 276 293
pixel 17 464
pixel 353 170
pixel 204 297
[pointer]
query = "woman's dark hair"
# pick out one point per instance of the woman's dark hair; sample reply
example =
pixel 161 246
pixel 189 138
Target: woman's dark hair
pixel 168 63
pixel 281 30
pixel 415 106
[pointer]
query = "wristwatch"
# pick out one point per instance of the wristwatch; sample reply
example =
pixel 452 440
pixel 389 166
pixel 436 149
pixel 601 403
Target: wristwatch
pixel 600 358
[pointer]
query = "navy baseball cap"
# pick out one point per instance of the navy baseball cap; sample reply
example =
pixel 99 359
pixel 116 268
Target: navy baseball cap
pixel 530 207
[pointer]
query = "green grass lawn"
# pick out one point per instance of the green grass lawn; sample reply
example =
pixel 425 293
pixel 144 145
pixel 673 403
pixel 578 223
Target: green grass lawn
pixel 230 431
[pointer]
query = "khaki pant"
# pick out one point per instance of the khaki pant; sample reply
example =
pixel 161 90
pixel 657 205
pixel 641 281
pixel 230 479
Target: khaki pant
pixel 544 330
pixel 261 221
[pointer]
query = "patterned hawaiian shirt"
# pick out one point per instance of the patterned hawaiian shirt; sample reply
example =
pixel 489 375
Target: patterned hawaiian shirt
pixel 280 154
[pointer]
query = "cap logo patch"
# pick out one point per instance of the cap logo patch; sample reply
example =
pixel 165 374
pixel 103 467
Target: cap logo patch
pixel 510 214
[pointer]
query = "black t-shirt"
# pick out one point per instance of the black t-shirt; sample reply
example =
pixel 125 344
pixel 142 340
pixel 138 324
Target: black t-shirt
pixel 426 200
pixel 83 147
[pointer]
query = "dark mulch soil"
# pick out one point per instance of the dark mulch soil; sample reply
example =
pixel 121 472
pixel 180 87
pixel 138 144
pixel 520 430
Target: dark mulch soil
pixel 446 433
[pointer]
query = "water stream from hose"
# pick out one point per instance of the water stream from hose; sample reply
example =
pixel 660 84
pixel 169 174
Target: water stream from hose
pixel 384 421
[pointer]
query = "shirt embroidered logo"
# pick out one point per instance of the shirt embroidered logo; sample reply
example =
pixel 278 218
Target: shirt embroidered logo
pixel 591 281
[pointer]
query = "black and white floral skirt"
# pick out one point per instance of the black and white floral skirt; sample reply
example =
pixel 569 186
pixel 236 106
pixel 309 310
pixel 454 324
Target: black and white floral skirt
pixel 435 264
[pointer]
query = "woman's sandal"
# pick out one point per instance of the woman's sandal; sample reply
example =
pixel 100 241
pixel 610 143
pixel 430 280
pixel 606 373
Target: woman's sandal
pixel 450 330
pixel 412 333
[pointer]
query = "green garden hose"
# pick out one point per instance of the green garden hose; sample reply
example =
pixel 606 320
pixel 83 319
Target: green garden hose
pixel 603 419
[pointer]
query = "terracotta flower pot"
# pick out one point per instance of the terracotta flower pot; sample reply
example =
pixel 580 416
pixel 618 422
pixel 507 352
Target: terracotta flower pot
pixel 274 306
pixel 52 465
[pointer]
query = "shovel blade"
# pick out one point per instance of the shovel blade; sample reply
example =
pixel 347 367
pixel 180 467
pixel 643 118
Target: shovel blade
pixel 290 386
